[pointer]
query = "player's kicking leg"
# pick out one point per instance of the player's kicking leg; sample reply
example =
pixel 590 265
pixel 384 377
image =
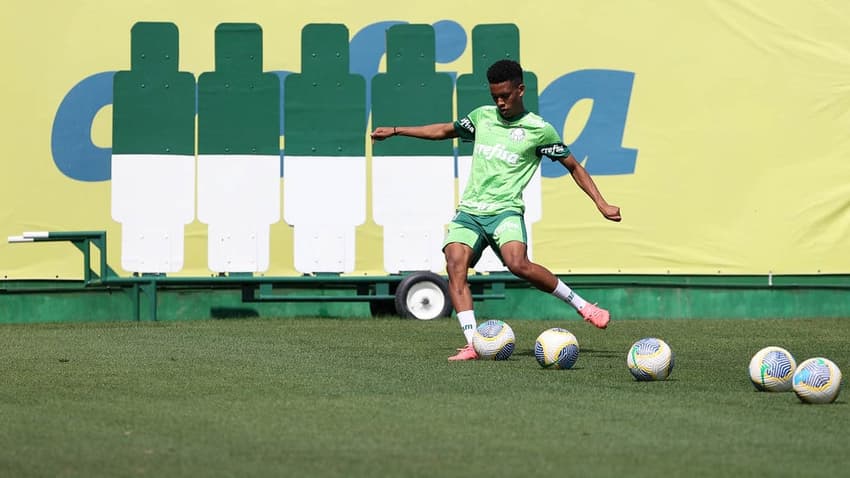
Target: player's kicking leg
pixel 514 255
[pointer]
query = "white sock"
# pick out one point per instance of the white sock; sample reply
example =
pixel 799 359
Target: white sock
pixel 467 323
pixel 563 292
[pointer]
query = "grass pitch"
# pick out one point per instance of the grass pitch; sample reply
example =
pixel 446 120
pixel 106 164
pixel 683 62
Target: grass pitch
pixel 377 397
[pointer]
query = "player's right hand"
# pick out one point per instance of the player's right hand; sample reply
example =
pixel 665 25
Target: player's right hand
pixel 382 132
pixel 612 213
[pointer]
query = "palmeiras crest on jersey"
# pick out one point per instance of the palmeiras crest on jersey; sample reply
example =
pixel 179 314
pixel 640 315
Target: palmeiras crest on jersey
pixel 517 134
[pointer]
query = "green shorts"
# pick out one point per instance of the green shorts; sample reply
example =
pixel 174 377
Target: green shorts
pixel 478 232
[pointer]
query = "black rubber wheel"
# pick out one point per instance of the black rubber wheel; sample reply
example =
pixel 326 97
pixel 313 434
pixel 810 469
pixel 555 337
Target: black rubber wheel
pixel 423 296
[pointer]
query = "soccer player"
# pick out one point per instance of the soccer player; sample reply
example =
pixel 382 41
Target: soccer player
pixel 509 144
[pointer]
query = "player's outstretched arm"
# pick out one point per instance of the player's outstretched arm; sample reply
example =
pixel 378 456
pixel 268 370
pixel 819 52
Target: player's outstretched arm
pixel 431 131
pixel 585 182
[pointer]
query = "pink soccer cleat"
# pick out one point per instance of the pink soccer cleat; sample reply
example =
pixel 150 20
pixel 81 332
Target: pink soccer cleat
pixel 595 315
pixel 465 353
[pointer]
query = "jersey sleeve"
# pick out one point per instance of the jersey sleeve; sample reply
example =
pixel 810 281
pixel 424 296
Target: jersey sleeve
pixel 465 127
pixel 551 145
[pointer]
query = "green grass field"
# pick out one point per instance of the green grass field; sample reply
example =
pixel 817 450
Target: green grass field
pixel 376 397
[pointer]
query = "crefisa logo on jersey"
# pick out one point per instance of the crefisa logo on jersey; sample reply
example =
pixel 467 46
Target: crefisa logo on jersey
pixel 498 151
pixel 553 150
pixel 517 134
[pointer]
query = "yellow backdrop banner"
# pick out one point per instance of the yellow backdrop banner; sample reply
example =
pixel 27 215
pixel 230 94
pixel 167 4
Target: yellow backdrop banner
pixel 719 127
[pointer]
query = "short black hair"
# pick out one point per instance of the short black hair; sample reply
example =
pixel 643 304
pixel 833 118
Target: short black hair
pixel 505 70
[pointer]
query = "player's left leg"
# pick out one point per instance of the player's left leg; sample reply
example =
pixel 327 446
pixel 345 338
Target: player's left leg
pixel 513 251
pixel 515 257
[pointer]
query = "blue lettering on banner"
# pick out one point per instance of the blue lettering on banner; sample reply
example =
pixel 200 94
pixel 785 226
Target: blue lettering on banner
pixel 602 137
pixel 70 140
pixel 599 144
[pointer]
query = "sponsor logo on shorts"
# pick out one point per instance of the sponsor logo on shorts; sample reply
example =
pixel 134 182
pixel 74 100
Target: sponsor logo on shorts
pixel 506 226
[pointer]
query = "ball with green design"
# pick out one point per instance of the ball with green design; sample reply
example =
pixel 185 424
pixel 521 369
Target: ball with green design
pixel 650 359
pixel 556 348
pixel 771 369
pixel 494 340
pixel 817 380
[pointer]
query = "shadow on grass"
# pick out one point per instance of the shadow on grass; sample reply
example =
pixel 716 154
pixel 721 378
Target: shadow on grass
pixel 604 353
pixel 233 313
pixel 594 352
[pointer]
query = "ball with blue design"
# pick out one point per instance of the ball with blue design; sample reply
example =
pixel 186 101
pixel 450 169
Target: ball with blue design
pixel 556 348
pixel 817 380
pixel 494 340
pixel 771 369
pixel 650 359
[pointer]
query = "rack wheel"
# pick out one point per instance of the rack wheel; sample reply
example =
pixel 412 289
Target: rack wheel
pixel 423 296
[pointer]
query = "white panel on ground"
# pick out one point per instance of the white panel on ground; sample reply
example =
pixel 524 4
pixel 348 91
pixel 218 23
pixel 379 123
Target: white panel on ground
pixel 237 248
pixel 324 201
pixel 323 248
pixel 153 197
pixel 151 248
pixel 413 198
pixel 412 248
pixel 239 198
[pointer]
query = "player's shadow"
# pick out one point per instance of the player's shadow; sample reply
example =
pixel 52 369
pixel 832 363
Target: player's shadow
pixel 603 353
pixel 594 352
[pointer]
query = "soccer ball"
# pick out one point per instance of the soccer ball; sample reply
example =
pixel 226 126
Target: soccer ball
pixel 771 369
pixel 817 380
pixel 650 359
pixel 556 348
pixel 494 340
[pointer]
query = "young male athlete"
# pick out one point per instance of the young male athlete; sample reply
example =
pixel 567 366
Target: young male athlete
pixel 509 144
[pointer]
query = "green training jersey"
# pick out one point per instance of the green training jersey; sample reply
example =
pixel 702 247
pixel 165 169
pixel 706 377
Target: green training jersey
pixel 505 156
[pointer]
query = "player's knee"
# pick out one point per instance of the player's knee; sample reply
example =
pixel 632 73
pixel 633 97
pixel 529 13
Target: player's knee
pixel 456 266
pixel 457 256
pixel 518 266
